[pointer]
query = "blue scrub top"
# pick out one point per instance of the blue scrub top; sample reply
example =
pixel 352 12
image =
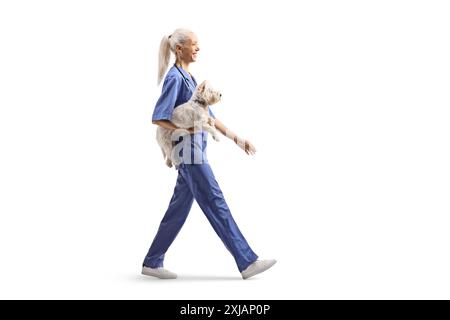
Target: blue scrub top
pixel 177 90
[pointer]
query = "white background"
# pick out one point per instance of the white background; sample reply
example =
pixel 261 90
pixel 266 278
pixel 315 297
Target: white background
pixel 347 103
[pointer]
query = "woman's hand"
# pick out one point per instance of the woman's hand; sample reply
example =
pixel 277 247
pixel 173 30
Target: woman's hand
pixel 245 145
pixel 191 130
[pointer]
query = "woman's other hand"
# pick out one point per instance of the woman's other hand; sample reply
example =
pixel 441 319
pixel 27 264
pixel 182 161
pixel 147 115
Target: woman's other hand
pixel 245 145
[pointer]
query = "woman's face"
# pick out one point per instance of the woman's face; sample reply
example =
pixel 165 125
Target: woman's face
pixel 188 51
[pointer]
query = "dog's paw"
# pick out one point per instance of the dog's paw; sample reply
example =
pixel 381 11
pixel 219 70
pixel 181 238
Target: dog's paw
pixel 176 162
pixel 216 137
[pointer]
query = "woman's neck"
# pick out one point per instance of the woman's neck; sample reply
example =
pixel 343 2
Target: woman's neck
pixel 183 64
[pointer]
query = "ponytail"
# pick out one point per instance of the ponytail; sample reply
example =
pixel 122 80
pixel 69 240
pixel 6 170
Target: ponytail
pixel 164 57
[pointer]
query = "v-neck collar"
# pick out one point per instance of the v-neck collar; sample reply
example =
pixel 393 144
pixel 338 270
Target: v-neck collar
pixel 186 74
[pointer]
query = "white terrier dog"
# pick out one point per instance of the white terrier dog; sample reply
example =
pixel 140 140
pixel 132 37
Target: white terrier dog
pixel 193 113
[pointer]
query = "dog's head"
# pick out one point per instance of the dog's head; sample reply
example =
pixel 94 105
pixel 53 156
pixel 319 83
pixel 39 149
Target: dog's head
pixel 207 93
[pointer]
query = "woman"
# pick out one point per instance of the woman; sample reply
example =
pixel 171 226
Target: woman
pixel 195 178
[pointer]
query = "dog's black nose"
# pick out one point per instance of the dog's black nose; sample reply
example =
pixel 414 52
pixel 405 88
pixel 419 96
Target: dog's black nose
pixel 220 95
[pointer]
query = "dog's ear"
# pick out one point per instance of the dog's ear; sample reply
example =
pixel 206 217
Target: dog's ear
pixel 202 87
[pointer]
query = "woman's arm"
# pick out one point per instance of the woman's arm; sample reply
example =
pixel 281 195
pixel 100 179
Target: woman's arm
pixel 165 124
pixel 242 143
pixel 169 125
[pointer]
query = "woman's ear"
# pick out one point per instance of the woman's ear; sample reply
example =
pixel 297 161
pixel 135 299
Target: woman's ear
pixel 178 49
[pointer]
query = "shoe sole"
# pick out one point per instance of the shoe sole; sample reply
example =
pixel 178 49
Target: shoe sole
pixel 259 271
pixel 150 274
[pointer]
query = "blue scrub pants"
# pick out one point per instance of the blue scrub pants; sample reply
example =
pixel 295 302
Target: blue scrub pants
pixel 198 181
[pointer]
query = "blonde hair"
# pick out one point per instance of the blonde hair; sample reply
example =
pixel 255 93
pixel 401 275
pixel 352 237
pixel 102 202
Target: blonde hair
pixel 168 45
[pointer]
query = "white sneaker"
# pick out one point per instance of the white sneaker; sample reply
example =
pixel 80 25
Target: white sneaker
pixel 158 272
pixel 257 267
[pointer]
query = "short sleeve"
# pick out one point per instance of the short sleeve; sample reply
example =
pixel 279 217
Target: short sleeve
pixel 211 113
pixel 166 102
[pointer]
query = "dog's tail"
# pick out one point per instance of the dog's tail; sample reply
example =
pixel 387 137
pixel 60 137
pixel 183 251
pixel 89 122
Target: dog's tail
pixel 165 157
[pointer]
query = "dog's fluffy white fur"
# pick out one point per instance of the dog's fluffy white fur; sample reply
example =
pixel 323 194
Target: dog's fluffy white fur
pixel 193 113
